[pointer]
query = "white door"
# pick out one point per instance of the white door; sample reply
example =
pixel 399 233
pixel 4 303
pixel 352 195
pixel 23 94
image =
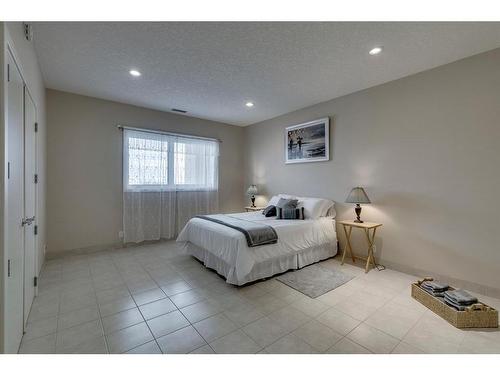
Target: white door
pixel 30 180
pixel 14 210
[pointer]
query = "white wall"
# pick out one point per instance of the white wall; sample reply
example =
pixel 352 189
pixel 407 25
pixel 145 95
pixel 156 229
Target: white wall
pixel 426 147
pixel 13 34
pixel 85 166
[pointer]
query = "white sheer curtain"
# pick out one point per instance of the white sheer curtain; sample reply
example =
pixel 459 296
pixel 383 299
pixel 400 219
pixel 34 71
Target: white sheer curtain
pixel 167 179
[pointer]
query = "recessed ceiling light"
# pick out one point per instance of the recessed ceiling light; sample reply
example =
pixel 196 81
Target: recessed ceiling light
pixel 249 104
pixel 375 51
pixel 135 73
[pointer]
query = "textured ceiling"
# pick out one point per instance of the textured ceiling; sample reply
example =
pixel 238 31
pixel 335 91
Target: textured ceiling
pixel 212 69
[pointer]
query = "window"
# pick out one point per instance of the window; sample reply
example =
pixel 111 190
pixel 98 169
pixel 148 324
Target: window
pixel 156 162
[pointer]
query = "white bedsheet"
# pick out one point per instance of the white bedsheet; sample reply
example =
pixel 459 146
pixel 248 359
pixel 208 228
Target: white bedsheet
pixel 231 246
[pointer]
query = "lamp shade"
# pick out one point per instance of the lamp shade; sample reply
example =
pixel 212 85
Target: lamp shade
pixel 252 190
pixel 357 195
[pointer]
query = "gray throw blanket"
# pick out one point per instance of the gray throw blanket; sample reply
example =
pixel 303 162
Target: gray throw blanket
pixel 256 234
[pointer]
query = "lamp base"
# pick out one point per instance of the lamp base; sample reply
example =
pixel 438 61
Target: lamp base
pixel 253 201
pixel 357 210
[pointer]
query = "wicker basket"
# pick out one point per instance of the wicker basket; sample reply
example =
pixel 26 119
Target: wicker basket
pixel 478 315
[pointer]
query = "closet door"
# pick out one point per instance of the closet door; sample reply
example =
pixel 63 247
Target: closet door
pixel 30 180
pixel 14 191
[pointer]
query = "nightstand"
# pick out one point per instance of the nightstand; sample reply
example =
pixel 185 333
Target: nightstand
pixel 370 229
pixel 250 208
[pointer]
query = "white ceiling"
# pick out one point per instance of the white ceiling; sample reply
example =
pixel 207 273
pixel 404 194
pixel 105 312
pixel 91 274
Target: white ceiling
pixel 212 69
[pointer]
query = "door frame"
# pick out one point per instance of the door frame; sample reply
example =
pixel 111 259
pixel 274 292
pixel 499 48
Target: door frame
pixel 35 211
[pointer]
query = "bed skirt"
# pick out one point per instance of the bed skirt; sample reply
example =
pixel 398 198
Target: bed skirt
pixel 265 268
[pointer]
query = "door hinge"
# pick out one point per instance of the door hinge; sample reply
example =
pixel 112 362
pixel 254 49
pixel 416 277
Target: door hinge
pixel 8 170
pixel 36 178
pixel 8 268
pixel 8 72
pixel 36 229
pixel 28 31
pixel 35 281
pixel 36 127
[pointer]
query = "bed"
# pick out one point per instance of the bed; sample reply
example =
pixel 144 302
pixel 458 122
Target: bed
pixel 224 249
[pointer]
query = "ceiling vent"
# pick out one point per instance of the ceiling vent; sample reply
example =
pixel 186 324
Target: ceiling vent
pixel 178 110
pixel 28 31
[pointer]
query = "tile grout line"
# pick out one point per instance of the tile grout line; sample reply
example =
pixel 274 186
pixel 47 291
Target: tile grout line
pixel 59 308
pixel 289 303
pixel 192 325
pixel 400 340
pixel 145 321
pixel 140 312
pixel 106 345
pixel 133 260
pixel 98 311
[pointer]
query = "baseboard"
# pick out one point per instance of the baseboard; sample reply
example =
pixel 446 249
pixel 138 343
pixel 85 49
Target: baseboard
pixel 50 255
pixel 457 283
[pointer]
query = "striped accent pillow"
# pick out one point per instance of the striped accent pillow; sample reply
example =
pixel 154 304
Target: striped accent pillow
pixel 290 213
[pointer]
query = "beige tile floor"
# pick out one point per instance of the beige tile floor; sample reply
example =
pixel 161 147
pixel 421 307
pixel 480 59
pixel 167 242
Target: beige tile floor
pixel 155 299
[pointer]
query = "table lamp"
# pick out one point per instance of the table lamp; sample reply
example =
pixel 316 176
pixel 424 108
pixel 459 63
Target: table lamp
pixel 252 191
pixel 358 196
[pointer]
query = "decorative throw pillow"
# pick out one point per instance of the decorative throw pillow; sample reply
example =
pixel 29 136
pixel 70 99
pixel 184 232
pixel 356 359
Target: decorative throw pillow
pixel 290 213
pixel 287 203
pixel 269 211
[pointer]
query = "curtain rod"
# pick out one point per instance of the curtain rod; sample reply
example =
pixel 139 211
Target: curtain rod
pixel 122 127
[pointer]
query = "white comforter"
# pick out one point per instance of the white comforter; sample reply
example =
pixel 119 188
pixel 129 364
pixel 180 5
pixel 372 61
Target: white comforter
pixel 231 246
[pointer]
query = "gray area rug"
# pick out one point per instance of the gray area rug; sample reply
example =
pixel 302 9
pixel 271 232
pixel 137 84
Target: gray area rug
pixel 314 280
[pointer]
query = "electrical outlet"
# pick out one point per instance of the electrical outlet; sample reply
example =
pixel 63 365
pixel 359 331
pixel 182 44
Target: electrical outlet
pixel 120 234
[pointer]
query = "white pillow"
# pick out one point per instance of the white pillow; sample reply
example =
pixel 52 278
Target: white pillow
pixel 314 207
pixel 330 208
pixel 287 196
pixel 331 211
pixel 274 200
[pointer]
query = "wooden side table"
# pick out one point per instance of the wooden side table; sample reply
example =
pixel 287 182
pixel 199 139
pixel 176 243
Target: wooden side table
pixel 250 208
pixel 370 238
